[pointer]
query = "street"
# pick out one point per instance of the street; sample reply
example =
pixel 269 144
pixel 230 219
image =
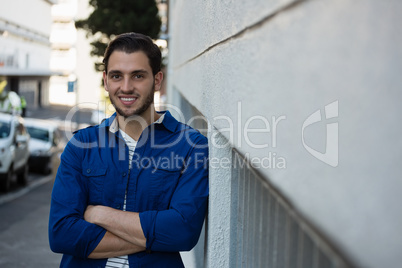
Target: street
pixel 24 210
pixel 23 226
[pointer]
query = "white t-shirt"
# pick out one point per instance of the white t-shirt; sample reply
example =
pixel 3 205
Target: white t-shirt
pixel 122 261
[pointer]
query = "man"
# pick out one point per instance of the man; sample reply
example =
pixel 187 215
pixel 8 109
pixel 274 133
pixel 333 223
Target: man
pixel 132 191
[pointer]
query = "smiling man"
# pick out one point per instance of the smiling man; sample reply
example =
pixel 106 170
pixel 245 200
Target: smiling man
pixel 126 69
pixel 132 191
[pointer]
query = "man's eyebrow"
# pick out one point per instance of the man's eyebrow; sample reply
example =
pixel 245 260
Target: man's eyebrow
pixel 114 72
pixel 140 71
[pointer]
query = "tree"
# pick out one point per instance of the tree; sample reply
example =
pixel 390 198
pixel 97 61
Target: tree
pixel 113 17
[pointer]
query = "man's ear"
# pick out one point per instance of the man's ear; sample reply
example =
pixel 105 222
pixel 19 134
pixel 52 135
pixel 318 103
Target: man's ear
pixel 105 81
pixel 158 80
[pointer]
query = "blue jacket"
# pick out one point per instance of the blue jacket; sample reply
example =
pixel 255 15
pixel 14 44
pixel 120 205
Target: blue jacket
pixel 167 185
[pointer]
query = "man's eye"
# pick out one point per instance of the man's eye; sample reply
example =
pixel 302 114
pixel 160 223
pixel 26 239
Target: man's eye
pixel 115 76
pixel 138 76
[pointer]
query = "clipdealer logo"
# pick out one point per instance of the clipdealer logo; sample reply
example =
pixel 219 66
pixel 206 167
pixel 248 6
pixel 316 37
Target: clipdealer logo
pixel 330 156
pixel 247 132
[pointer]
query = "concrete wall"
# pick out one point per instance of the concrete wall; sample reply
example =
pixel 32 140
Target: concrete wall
pixel 270 66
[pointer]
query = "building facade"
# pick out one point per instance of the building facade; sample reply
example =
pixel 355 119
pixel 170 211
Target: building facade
pixel 71 59
pixel 300 102
pixel 25 48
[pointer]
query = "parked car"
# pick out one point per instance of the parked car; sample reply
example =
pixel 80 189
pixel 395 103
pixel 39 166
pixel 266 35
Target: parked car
pixel 45 144
pixel 14 150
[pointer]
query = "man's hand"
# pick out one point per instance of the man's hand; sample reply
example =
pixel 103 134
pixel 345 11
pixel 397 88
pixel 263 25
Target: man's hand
pixel 123 224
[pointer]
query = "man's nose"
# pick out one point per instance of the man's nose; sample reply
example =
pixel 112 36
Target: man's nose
pixel 126 85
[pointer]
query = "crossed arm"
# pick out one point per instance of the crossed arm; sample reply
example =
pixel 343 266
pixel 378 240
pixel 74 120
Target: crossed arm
pixel 124 232
pixel 93 232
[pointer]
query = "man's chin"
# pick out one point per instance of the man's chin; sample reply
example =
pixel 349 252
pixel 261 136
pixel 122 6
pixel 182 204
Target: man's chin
pixel 130 113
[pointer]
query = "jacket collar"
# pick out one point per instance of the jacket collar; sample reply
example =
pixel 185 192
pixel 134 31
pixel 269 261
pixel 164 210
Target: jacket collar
pixel 169 122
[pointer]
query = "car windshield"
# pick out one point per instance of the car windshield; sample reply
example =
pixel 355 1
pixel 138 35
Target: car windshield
pixel 37 133
pixel 4 129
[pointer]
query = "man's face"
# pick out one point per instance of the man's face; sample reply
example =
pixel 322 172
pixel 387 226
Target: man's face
pixel 130 82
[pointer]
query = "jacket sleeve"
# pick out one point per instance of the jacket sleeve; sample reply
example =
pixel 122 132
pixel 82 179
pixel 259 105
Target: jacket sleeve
pixel 69 233
pixel 179 227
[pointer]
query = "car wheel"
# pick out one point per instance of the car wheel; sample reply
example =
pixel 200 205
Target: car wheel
pixel 22 177
pixel 5 181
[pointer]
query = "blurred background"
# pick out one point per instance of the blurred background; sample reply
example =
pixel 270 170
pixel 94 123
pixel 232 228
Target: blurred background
pixel 300 100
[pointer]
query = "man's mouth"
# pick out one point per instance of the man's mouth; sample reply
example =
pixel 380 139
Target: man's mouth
pixel 127 100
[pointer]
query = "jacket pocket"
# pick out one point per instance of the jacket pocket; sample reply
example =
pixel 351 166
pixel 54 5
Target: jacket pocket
pixel 164 184
pixel 96 177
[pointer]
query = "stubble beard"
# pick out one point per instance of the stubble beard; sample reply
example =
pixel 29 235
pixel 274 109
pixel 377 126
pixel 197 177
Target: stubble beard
pixel 149 99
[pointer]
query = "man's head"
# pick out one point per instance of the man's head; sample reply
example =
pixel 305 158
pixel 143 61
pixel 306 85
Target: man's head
pixel 133 42
pixel 132 74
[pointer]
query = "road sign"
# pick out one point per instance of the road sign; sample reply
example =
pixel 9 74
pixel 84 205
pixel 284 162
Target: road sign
pixel 71 86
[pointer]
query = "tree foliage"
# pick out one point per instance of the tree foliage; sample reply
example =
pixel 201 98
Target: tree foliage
pixel 113 17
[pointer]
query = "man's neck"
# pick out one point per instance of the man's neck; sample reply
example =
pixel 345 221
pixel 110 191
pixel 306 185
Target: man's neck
pixel 134 125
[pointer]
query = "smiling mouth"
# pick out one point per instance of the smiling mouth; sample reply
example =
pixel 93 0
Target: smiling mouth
pixel 127 100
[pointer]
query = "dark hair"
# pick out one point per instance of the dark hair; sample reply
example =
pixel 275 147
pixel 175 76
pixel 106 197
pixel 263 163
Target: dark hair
pixel 133 42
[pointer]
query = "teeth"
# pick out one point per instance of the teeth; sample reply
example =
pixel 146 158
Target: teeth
pixel 127 99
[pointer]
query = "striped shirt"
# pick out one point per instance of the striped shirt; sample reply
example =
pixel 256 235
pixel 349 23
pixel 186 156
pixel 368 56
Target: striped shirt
pixel 122 261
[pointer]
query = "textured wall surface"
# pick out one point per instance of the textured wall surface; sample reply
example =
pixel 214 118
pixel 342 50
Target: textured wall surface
pixel 219 210
pixel 269 65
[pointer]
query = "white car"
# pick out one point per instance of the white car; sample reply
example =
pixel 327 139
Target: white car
pixel 45 144
pixel 14 150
